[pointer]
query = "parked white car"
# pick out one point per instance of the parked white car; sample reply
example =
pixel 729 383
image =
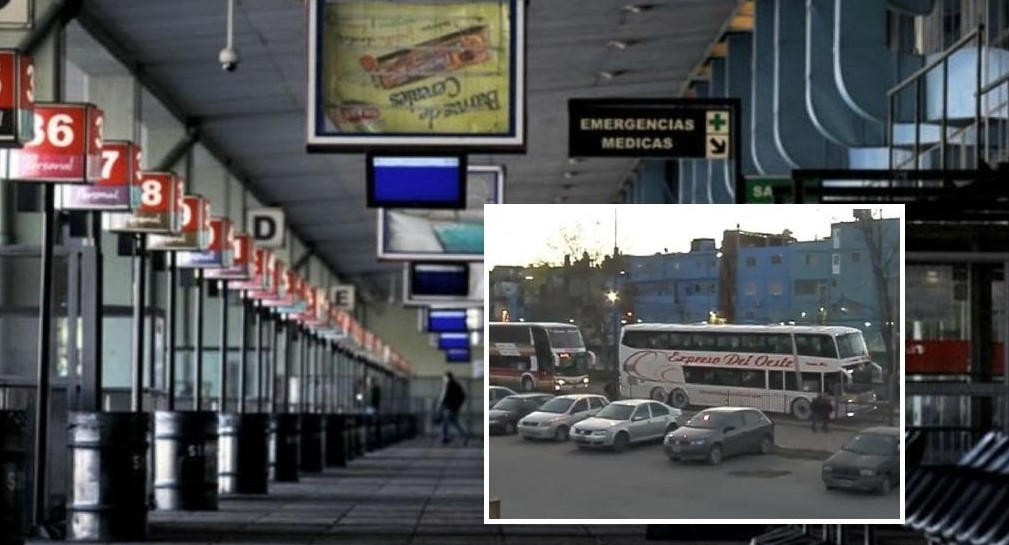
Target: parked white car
pixel 624 422
pixel 554 419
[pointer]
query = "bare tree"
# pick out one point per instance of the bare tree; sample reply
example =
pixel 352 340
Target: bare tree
pixel 883 259
pixel 571 240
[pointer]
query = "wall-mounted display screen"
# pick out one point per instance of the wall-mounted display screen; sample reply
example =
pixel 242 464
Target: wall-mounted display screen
pixel 457 355
pixel 446 321
pixel 450 285
pixel 444 235
pixel 416 181
pixel 447 341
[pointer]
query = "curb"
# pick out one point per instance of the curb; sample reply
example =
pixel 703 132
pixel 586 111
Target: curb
pixel 802 453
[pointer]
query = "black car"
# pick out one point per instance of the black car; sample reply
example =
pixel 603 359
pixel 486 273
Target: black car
pixel 504 416
pixel 869 461
pixel 721 431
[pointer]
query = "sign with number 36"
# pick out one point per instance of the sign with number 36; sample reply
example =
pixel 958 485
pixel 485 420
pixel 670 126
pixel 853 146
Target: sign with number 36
pixel 66 149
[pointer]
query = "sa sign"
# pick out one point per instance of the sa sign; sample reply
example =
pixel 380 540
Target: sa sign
pixel 343 297
pixel 266 226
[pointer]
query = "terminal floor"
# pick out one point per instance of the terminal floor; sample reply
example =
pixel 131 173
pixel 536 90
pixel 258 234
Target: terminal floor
pixel 416 492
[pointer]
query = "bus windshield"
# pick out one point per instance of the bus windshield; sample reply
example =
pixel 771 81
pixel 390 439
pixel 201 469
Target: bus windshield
pixel 851 345
pixel 510 334
pixel 859 377
pixel 565 338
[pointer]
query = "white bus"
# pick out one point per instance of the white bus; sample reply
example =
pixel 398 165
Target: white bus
pixel 751 366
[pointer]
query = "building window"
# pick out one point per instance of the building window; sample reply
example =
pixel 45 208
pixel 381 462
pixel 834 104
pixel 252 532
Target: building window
pixel 855 257
pixel 811 259
pixel 775 288
pixel 711 287
pixel 775 260
pixel 836 264
pixel 751 289
pixel 805 287
pixel 835 235
pixel 751 262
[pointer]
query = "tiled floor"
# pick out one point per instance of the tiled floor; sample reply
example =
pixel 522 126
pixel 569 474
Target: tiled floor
pixel 412 493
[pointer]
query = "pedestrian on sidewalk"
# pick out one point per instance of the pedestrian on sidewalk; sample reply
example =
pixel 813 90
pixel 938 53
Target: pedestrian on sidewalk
pixel 450 402
pixel 820 409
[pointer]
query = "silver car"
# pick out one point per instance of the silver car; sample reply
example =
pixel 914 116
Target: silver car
pixel 624 422
pixel 554 419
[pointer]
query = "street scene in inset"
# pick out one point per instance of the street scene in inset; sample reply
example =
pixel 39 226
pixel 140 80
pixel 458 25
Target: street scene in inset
pixel 694 362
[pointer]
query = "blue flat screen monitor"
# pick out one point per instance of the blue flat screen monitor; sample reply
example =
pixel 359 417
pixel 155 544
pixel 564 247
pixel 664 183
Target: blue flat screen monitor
pixel 448 341
pixel 439 279
pixel 414 181
pixel 447 321
pixel 457 355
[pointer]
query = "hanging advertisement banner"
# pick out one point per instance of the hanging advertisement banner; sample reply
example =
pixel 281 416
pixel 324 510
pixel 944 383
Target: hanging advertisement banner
pixel 410 73
pixel 66 147
pixel 194 235
pixel 449 235
pixel 17 98
pixel 157 207
pixel 119 186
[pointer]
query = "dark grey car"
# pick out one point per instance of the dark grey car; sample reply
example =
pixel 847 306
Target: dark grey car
pixel 869 461
pixel 715 433
pixel 505 415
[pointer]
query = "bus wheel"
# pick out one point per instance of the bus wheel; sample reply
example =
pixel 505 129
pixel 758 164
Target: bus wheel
pixel 801 409
pixel 678 398
pixel 658 394
pixel 527 384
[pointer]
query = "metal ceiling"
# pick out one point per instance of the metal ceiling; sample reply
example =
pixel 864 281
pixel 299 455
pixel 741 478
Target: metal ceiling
pixel 255 116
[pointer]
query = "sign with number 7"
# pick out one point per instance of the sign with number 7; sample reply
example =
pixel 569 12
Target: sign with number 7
pixel 66 149
pixel 120 177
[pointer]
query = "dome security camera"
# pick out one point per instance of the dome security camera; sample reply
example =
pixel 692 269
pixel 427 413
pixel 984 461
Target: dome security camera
pixel 228 58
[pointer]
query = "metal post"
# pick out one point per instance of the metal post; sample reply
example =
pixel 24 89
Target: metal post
pixel 243 357
pixel 302 375
pixel 139 291
pixel 93 393
pixel 977 97
pixel 917 124
pixel 198 348
pixel 945 108
pixel 260 387
pixel 1005 349
pixel 275 360
pixel 170 330
pixel 44 351
pixel 222 371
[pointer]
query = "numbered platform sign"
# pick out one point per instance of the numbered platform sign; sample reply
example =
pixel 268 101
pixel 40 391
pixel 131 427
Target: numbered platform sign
pixel 261 280
pixel 66 148
pixel 241 263
pixel 195 232
pixel 293 301
pixel 115 190
pixel 218 250
pixel 17 98
pixel 275 271
pixel 157 207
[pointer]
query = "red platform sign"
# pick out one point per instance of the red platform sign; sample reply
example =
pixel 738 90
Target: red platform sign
pixel 194 234
pixel 114 191
pixel 241 262
pixel 157 208
pixel 66 149
pixel 218 250
pixel 17 98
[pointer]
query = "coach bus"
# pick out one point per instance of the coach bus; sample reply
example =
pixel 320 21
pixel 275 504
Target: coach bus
pixel 752 366
pixel 542 356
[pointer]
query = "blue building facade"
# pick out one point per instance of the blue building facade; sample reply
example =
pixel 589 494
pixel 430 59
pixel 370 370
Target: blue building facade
pixel 763 291
pixel 673 287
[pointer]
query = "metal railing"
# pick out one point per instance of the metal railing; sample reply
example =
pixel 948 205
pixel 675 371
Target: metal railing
pixel 918 79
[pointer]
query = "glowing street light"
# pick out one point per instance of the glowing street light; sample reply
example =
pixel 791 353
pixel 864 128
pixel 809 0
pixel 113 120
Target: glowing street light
pixel 612 296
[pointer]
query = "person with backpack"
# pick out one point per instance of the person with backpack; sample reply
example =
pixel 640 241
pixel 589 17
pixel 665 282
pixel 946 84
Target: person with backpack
pixel 450 402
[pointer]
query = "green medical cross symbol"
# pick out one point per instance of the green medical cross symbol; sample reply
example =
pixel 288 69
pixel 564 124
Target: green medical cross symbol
pixel 717 122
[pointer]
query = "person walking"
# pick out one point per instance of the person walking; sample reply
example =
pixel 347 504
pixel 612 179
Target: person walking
pixel 820 409
pixel 449 403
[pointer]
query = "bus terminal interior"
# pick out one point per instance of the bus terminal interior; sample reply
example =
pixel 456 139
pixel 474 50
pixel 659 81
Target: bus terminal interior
pixel 144 399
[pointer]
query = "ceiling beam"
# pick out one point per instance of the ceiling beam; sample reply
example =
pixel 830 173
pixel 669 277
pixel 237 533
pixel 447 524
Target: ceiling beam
pixel 136 68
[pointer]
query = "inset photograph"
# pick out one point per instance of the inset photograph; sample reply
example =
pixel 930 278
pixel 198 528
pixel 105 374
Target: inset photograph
pixel 694 363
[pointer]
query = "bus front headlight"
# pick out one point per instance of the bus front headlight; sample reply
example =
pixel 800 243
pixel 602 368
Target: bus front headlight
pixel 585 380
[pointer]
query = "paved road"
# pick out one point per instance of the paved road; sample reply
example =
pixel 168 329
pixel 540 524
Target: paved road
pixel 551 480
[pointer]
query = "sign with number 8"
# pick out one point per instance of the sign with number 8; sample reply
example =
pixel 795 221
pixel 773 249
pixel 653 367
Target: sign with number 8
pixel 156 206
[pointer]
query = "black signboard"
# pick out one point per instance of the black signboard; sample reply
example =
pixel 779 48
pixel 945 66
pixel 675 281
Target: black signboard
pixel 670 128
